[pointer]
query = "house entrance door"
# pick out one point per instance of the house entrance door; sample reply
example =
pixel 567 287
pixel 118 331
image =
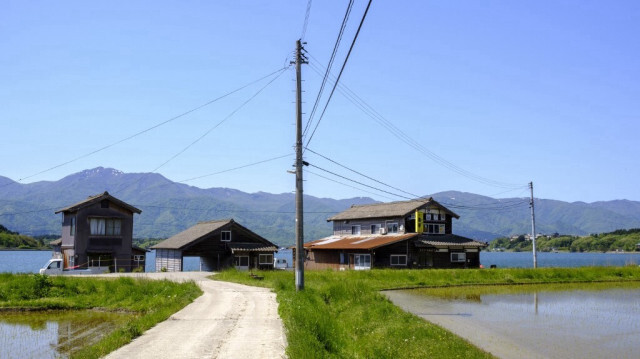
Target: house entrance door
pixel 241 262
pixel 362 261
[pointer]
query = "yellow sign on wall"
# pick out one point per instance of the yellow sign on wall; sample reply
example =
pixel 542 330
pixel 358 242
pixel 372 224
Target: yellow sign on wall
pixel 419 222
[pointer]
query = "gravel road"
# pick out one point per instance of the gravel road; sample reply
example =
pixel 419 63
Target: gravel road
pixel 228 321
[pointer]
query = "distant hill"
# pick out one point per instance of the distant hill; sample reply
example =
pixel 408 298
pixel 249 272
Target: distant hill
pixel 169 207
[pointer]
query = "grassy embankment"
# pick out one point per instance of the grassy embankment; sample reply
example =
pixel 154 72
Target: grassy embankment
pixel 342 314
pixel 154 301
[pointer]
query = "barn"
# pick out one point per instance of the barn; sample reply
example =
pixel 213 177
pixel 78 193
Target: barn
pixel 219 244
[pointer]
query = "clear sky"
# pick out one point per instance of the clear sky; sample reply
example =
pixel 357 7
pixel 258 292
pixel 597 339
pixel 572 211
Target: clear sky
pixel 510 91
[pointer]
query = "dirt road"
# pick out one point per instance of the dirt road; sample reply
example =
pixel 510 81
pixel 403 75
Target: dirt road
pixel 228 321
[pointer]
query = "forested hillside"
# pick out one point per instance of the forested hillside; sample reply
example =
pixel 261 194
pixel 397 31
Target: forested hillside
pixel 169 207
pixel 14 240
pixel 620 240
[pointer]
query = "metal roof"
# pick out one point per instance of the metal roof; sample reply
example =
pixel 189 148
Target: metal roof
pixel 391 209
pixel 195 233
pixel 251 247
pixel 357 242
pixel 56 242
pixel 99 197
pixel 191 234
pixel 449 241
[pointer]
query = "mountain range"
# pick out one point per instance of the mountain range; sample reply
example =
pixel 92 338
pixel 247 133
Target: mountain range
pixel 169 207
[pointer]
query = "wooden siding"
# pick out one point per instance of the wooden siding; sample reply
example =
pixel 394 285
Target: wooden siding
pixel 383 254
pixel 214 253
pixel 84 244
pixel 340 228
pixel 428 258
pixel 381 258
pixel 170 259
pixel 405 225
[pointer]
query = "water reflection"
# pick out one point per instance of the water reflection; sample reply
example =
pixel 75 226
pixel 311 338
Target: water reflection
pixel 536 321
pixel 54 334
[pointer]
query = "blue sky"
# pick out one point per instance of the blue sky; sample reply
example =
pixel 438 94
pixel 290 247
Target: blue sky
pixel 510 91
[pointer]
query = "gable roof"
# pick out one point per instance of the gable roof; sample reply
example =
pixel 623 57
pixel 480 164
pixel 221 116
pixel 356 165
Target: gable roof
pixel 391 209
pixel 357 242
pixel 97 198
pixel 202 229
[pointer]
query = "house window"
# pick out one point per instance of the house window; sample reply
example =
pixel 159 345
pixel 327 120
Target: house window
pixel 434 228
pixel 265 259
pixel 392 227
pixel 113 227
pixel 375 228
pixel 355 230
pixel 398 259
pixel 72 227
pixel 458 257
pixel 362 261
pixel 344 258
pixel 241 261
pixel 225 236
pixel 105 226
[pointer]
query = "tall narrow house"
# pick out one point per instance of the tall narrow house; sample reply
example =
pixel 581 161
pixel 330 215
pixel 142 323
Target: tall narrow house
pixel 407 234
pixel 99 232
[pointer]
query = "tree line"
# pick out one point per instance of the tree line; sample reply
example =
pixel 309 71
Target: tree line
pixel 15 240
pixel 619 240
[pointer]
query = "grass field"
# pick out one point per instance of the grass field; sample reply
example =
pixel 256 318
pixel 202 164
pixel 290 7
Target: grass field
pixel 154 300
pixel 343 315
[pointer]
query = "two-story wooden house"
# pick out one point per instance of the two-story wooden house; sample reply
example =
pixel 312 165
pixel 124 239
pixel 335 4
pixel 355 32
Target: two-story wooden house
pixel 408 234
pixel 219 244
pixel 99 232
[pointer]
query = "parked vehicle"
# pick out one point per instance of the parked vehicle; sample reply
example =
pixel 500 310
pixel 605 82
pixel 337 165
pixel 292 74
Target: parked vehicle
pixel 55 267
pixel 280 263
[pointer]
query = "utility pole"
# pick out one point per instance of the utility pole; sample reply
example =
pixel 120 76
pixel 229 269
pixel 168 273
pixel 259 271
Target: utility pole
pixel 533 228
pixel 300 59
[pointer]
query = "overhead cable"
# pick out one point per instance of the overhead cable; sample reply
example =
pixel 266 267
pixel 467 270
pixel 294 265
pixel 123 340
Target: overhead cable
pixel 360 183
pixel 402 136
pixel 306 20
pixel 329 66
pixel 361 174
pixel 339 74
pixel 148 129
pixel 347 185
pixel 212 128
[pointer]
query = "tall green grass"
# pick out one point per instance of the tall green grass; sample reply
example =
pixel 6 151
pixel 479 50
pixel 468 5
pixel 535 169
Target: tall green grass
pixel 154 300
pixel 343 315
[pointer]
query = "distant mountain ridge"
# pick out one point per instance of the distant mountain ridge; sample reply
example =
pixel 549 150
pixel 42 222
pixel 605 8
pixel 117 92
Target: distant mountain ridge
pixel 169 207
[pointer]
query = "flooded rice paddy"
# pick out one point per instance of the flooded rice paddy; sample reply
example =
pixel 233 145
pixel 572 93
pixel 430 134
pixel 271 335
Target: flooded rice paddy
pixel 599 320
pixel 54 334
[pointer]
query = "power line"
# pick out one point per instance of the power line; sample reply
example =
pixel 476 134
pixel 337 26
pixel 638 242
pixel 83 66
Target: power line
pixel 235 168
pixel 33 211
pixel 306 20
pixel 500 206
pixel 329 66
pixel 148 129
pixel 210 129
pixel 360 183
pixel 402 136
pixel 347 185
pixel 229 210
pixel 340 73
pixel 361 174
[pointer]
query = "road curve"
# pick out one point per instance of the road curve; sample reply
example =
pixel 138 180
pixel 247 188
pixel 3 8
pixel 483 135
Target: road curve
pixel 228 321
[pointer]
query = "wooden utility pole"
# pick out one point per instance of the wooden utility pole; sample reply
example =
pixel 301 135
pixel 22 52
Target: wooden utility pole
pixel 299 261
pixel 533 228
